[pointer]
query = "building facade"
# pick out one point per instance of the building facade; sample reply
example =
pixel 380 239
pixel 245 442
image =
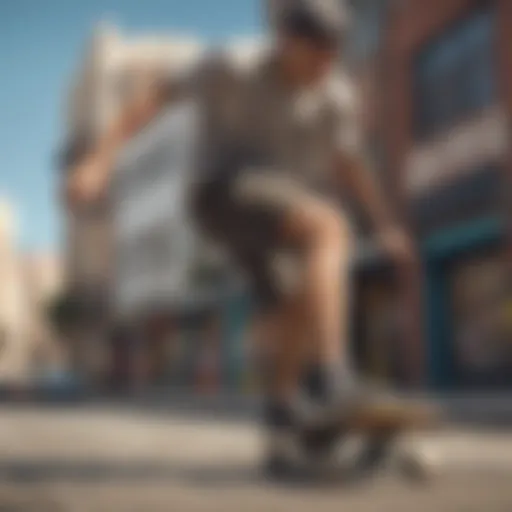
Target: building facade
pixel 42 283
pixel 155 246
pixel 28 347
pixel 171 285
pixel 112 69
pixel 448 91
pixel 436 107
pixel 154 243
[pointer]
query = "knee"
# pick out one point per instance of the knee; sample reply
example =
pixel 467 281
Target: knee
pixel 337 229
pixel 330 229
pixel 319 226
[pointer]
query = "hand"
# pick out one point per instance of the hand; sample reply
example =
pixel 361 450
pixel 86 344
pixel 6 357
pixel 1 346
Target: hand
pixel 86 183
pixel 398 245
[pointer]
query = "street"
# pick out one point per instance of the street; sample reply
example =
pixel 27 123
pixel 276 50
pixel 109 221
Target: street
pixel 98 458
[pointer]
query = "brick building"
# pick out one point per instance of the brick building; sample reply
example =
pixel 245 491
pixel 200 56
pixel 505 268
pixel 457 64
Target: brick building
pixel 447 110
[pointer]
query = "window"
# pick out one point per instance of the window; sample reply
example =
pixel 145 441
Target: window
pixel 454 75
pixel 480 303
pixel 471 196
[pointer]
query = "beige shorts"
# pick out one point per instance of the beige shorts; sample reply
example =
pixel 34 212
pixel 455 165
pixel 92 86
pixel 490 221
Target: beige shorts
pixel 244 213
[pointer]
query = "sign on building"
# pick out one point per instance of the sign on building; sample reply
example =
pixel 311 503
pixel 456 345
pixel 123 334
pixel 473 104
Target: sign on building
pixel 153 237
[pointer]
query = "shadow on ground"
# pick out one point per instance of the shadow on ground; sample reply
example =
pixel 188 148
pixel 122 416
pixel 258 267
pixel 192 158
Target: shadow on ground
pixel 40 472
pixel 225 476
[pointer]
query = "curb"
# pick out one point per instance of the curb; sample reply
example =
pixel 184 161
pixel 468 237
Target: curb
pixel 482 409
pixel 492 410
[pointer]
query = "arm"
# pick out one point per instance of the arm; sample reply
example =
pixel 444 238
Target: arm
pixel 357 178
pixel 89 178
pixel 353 172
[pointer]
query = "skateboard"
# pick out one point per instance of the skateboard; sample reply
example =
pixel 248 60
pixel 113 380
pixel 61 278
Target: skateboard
pixel 381 431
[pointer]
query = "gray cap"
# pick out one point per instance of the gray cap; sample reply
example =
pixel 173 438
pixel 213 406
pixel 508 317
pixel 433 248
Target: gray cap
pixel 328 17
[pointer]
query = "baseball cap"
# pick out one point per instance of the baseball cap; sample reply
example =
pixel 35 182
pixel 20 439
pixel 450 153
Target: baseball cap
pixel 323 21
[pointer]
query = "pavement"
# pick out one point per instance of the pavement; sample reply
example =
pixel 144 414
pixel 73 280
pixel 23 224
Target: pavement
pixel 482 409
pixel 101 457
pixel 492 408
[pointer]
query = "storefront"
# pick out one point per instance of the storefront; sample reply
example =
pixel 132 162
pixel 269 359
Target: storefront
pixel 468 303
pixel 482 346
pixel 461 229
pixel 379 333
pixel 378 341
pixel 377 337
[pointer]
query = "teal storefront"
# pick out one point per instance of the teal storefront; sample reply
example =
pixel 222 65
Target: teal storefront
pixel 455 258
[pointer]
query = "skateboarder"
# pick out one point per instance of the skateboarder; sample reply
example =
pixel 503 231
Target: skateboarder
pixel 278 142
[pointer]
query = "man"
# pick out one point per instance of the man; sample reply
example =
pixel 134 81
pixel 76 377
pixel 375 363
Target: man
pixel 275 141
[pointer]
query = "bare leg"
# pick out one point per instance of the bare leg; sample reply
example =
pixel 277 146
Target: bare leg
pixel 322 234
pixel 312 324
pixel 325 236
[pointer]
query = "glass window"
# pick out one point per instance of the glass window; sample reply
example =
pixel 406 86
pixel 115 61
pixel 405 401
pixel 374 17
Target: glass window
pixel 379 329
pixel 454 74
pixel 481 322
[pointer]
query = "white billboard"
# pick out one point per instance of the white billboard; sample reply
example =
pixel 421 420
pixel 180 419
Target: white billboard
pixel 154 242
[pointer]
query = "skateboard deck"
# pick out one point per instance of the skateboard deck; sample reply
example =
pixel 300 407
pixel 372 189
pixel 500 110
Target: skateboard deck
pixel 378 419
pixel 381 429
pixel 390 417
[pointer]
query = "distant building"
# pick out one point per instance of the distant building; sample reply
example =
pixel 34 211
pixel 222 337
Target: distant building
pixel 165 271
pixel 43 283
pixel 153 238
pixel 14 346
pixel 27 343
pixel 112 69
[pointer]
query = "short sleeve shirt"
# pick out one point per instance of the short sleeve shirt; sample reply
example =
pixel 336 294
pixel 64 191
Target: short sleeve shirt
pixel 251 119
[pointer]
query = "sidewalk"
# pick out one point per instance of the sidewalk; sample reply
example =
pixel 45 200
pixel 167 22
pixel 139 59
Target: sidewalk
pixel 478 409
pixel 492 409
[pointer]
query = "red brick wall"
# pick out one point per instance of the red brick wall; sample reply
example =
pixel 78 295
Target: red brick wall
pixel 410 26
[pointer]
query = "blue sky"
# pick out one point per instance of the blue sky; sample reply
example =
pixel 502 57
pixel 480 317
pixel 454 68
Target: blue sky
pixel 40 42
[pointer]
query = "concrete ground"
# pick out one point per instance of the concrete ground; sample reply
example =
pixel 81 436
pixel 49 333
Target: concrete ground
pixel 95 458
